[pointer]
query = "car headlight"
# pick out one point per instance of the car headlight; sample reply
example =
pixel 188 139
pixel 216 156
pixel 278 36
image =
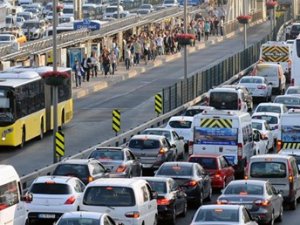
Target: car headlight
pixel 6 132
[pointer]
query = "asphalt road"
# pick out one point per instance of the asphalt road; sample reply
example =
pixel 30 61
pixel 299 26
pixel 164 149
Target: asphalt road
pixel 134 97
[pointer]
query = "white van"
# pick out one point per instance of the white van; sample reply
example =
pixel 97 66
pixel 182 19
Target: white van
pixel 224 132
pixel 110 10
pixel 289 131
pixel 12 208
pixel 295 75
pixel 127 201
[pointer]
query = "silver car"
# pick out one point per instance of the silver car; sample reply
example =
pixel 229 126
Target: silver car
pixel 261 199
pixel 120 161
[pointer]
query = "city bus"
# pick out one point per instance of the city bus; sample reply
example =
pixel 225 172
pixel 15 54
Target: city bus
pixel 26 105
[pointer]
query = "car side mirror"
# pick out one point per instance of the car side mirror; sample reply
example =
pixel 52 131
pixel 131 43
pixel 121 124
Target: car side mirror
pixel 107 170
pixel 28 197
pixel 181 138
pixel 154 195
pixel 173 146
pixel 270 83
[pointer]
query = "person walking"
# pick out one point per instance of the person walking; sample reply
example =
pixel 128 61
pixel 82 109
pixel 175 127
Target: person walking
pixel 105 63
pixel 206 29
pixel 221 25
pixel 86 64
pixel 77 68
pixel 113 61
pixel 127 56
pixel 94 66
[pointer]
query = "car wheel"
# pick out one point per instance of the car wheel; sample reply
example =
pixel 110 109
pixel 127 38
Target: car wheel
pixel 200 200
pixel 184 211
pixel 293 204
pixel 272 219
pixel 23 140
pixel 208 199
pixel 279 218
pixel 172 220
pixel 42 131
pixel 155 220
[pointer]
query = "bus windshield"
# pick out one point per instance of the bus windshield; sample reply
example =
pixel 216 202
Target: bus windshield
pixel 6 108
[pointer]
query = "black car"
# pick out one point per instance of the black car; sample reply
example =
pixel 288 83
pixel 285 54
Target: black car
pixel 87 170
pixel 191 177
pixel 171 200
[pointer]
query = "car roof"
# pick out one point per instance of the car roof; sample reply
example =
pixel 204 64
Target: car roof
pixel 109 148
pixel 261 182
pixel 287 96
pixel 291 152
pixel 258 120
pixel 200 107
pixel 76 161
pixel 272 156
pixel 293 87
pixel 160 129
pixel 147 136
pixel 266 114
pixel 225 89
pixel 205 155
pixel 163 179
pixel 83 214
pixel 220 207
pixel 116 182
pixel 271 104
pixel 56 179
pixel 179 163
pixel 256 77
pixel 177 118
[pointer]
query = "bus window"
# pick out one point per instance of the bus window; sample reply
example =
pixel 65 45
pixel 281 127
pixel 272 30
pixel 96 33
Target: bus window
pixel 298 47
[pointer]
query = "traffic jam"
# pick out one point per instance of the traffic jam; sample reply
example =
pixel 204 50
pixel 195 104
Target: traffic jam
pixel 241 144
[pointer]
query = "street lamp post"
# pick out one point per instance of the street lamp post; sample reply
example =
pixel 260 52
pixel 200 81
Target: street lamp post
pixel 54 88
pixel 185 31
pixel 245 26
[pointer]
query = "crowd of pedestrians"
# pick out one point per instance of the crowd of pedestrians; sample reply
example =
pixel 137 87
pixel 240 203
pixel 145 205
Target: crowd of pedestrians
pixel 146 46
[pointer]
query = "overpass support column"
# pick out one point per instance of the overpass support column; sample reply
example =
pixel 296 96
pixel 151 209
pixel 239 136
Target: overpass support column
pixel 119 42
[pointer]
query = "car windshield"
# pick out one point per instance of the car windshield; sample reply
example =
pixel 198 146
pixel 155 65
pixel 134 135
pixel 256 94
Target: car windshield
pixel 296 28
pixel 144 144
pixel 220 215
pixel 111 9
pixel 244 189
pixel 4 38
pixel 109 196
pixel 159 186
pixel 269 119
pixel 78 221
pixel 206 162
pixel 182 124
pixel 193 112
pixel 175 170
pixel 107 155
pixel 256 125
pixel 158 132
pixel 30 25
pixel 169 2
pixel 224 100
pixel 292 91
pixel 68 11
pixel 145 7
pixel 75 170
pixel 268 108
pixel 268 170
pixel 287 100
pixel 50 188
pixel 251 80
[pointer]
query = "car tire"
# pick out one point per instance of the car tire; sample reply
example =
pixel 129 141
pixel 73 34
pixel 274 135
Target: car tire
pixel 184 212
pixel 272 219
pixel 172 220
pixel 155 220
pixel 293 204
pixel 279 218
pixel 209 197
pixel 199 201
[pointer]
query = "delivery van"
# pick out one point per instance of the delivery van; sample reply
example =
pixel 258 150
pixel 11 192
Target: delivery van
pixel 295 75
pixel 12 208
pixel 289 130
pixel 225 132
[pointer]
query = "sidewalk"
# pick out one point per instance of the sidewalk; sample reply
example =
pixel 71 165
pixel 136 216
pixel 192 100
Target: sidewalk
pixel 100 82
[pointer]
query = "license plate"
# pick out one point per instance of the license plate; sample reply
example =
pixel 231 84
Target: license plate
pixel 46 216
pixel 147 165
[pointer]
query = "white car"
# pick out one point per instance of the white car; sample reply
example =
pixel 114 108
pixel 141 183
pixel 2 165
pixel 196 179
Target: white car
pixel 273 120
pixel 6 39
pixel 51 197
pixel 196 109
pixel 222 214
pixel 271 107
pixel 170 3
pixel 260 145
pixel 85 218
pixel 173 138
pixel 293 90
pixel 263 127
pixel 127 201
pixel 183 125
pixel 258 87
pixel 145 9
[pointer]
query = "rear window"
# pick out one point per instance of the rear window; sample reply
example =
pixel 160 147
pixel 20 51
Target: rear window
pixel 268 170
pixel 158 132
pixel 219 215
pixel 298 47
pixel 109 196
pixel 287 100
pixel 223 100
pixel 144 144
pixel 291 91
pixel 193 112
pixel 175 170
pixel 79 221
pixel 50 188
pixel 107 155
pixel 269 119
pixel 244 189
pixel 182 124
pixel 75 170
pixel 158 186
pixel 269 108
pixel 251 80
pixel 257 126
pixel 206 163
pixel 295 28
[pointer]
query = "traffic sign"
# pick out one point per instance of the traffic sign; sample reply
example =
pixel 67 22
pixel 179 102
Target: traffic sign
pixel 158 103
pixel 116 120
pixel 60 144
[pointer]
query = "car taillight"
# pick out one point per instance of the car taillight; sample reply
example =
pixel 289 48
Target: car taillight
pixel 222 202
pixel 279 145
pixel 239 104
pixel 218 173
pixel 292 82
pixel 289 63
pixel 121 169
pixel 70 200
pixel 240 151
pixel 263 203
pixel 261 87
pixel 90 179
pixel 247 172
pixel 133 214
pixel 191 183
pixel 163 201
pixel 291 178
pixel 162 151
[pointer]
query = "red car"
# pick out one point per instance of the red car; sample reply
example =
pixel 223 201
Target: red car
pixel 220 170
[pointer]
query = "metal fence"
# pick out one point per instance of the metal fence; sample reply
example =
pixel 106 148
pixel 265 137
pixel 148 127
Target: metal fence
pixel 199 83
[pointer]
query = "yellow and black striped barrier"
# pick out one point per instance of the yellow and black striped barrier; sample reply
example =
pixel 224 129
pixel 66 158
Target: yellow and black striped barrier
pixel 291 145
pixel 59 144
pixel 275 54
pixel 158 105
pixel 116 120
pixel 216 123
